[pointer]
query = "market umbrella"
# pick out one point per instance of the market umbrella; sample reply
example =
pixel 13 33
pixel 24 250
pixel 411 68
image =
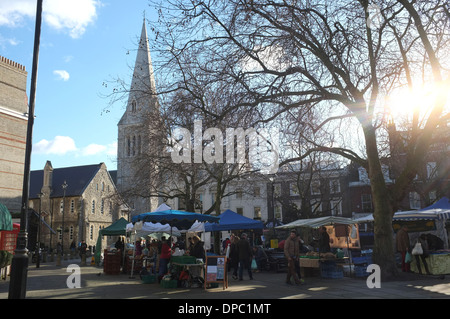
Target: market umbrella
pixel 175 218
pixel 5 218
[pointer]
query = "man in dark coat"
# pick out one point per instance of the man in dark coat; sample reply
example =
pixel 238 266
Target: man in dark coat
pixel 245 256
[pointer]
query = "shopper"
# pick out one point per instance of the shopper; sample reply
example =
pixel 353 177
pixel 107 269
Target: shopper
pixel 403 246
pixel 292 253
pixel 234 256
pixel 324 240
pixel 245 256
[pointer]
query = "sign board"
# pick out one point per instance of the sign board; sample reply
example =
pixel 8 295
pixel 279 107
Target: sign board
pixel 216 270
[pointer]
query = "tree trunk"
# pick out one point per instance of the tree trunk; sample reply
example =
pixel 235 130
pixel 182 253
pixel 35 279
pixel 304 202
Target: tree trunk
pixel 383 252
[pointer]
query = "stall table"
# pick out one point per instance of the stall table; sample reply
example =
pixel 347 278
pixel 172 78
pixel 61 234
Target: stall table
pixel 438 263
pixel 327 268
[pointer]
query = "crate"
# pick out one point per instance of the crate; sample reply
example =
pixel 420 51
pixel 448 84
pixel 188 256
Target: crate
pixel 169 283
pixel 362 260
pixel 183 259
pixel 332 274
pixel 361 271
pixel 148 279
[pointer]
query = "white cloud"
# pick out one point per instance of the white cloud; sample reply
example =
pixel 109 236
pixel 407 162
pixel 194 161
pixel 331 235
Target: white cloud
pixel 60 145
pixel 65 145
pixel 72 16
pixel 62 75
pixel 93 149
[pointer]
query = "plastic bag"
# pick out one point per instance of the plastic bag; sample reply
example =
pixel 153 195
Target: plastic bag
pixel 417 250
pixel 408 257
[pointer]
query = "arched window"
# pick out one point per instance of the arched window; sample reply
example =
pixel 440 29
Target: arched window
pixel 128 146
pixel 133 106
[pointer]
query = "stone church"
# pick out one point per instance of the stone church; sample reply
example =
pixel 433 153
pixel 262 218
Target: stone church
pixel 134 133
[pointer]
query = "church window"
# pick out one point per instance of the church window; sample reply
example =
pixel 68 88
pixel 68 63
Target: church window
pixel 93 207
pixel 128 147
pixel 134 145
pixel 133 106
pixel 139 145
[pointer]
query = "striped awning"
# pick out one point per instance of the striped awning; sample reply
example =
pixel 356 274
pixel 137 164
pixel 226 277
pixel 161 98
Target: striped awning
pixel 318 222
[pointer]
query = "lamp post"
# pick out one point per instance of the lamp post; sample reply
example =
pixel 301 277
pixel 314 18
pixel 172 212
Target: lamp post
pixel 64 186
pixel 19 265
pixel 38 246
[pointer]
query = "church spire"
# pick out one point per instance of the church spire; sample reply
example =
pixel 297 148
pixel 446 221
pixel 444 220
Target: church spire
pixel 143 77
pixel 142 96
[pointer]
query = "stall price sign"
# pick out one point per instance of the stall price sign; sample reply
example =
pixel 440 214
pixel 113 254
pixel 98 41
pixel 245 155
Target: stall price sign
pixel 216 270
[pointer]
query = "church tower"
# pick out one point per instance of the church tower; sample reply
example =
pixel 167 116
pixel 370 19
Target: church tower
pixel 134 133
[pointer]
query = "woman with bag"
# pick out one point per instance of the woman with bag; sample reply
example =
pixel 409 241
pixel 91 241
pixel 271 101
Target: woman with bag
pixel 403 246
pixel 421 249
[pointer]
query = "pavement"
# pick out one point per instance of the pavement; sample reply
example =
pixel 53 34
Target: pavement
pixel 51 282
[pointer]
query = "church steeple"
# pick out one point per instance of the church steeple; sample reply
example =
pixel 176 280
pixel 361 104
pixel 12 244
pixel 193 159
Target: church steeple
pixel 134 137
pixel 142 97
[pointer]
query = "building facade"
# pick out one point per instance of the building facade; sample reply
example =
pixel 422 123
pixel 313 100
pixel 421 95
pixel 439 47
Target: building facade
pixel 13 132
pixel 74 204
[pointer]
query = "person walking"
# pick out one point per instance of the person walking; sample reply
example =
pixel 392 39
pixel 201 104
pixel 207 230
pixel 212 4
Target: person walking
pixel 403 246
pixel 292 253
pixel 425 253
pixel 245 256
pixel 234 256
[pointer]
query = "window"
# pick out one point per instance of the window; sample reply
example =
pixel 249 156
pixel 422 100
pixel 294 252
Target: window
pixel 71 233
pixel 316 206
pixel 61 206
pixel 414 200
pixel 93 207
pixel 336 208
pixel 278 212
pixel 133 106
pixel 239 194
pixel 315 188
pixel 240 211
pixel 72 206
pixel 293 189
pixel 335 186
pixel 257 213
pixel 181 203
pixel 256 192
pixel 431 170
pixel 91 232
pixel 128 146
pixel 277 190
pixel 102 207
pixel 366 203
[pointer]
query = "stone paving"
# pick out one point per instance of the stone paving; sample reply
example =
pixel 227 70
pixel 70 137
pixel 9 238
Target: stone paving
pixel 50 282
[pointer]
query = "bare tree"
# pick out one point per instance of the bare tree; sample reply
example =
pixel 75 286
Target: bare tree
pixel 330 56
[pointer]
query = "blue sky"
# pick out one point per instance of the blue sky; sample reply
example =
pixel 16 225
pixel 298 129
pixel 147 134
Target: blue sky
pixel 84 44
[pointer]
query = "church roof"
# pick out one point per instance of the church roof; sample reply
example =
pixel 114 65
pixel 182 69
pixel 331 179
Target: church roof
pixel 76 177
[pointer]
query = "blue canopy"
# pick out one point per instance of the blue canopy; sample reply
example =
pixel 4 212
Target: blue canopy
pixel 175 218
pixel 230 220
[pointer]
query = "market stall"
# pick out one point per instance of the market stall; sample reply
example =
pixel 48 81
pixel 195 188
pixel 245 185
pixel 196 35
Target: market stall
pixel 343 234
pixel 112 258
pixel 177 221
pixel 8 238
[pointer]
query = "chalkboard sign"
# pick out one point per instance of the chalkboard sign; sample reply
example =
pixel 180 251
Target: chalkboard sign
pixel 216 270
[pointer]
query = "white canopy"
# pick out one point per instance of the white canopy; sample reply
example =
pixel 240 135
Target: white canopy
pixel 318 222
pixel 144 228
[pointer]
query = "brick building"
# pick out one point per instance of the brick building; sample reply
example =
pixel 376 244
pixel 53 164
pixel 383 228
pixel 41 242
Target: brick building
pixel 13 131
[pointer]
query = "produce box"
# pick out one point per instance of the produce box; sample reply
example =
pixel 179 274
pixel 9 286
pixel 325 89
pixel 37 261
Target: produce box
pixel 169 283
pixel 148 279
pixel 183 259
